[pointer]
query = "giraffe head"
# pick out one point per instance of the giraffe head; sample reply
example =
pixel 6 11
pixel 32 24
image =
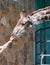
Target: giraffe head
pixel 36 18
pixel 20 29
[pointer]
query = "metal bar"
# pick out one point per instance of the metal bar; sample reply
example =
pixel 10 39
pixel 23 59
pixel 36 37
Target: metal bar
pixel 42 56
pixel 42 29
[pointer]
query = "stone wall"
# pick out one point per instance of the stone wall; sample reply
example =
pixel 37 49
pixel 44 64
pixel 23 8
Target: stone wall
pixel 20 51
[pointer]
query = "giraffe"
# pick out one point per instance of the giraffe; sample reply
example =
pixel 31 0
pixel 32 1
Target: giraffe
pixel 34 18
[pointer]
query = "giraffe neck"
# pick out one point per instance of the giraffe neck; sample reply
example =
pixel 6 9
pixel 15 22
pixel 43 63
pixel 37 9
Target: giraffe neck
pixel 40 15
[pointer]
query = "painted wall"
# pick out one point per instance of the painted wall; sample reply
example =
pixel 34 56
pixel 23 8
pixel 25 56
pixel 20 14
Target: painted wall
pixel 41 36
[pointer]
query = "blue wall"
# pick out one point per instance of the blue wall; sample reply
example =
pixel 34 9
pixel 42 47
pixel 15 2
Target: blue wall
pixel 41 4
pixel 42 34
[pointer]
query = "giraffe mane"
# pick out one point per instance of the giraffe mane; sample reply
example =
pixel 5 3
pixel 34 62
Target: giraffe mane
pixel 40 15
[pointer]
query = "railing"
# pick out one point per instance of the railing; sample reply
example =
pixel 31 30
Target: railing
pixel 42 56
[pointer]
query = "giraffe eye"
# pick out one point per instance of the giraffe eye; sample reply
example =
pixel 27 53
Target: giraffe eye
pixel 23 24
